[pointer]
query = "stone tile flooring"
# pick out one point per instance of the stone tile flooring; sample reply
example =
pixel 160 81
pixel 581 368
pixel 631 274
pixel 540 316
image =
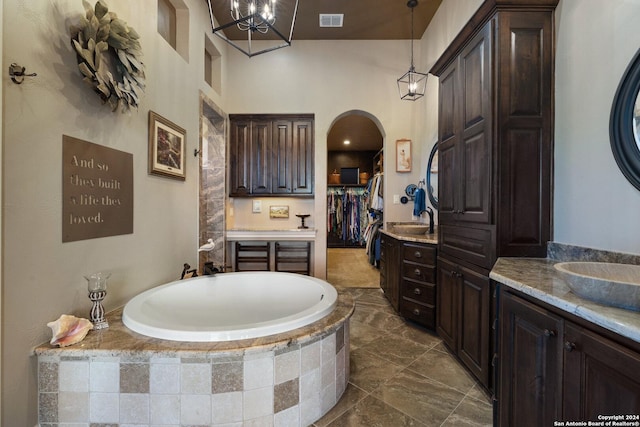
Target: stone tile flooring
pixel 402 375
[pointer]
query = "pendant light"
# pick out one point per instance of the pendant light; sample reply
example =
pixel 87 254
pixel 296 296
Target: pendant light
pixel 412 84
pixel 256 21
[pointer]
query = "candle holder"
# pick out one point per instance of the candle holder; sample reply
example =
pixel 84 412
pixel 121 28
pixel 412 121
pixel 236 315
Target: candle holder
pixel 302 218
pixel 97 287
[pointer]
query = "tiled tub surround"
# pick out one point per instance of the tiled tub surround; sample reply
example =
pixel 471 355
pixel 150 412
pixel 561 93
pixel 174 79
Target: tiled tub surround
pixel 118 378
pixel 538 278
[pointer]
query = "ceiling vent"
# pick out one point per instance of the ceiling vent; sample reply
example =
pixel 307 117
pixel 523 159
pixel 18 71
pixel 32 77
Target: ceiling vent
pixel 331 20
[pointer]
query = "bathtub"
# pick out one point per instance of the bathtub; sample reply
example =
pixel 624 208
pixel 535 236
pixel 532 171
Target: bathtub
pixel 229 306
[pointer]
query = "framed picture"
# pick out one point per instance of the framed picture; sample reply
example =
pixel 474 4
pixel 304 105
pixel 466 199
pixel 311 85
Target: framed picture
pixel 166 147
pixel 278 211
pixel 403 155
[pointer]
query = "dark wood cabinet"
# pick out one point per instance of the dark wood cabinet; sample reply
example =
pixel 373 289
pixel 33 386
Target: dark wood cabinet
pixel 240 157
pixel 530 364
pixel 418 283
pixel 260 160
pixel 464 128
pixel 495 148
pixel 553 369
pixel 600 376
pixel 464 311
pixel 389 269
pixel 271 155
pixel 408 279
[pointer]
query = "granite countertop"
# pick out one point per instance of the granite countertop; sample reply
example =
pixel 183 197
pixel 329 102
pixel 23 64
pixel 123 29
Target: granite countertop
pixel 419 238
pixel 271 229
pixel 537 277
pixel 270 234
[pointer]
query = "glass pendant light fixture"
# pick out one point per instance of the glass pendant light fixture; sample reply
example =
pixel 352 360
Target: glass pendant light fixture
pixel 256 21
pixel 412 84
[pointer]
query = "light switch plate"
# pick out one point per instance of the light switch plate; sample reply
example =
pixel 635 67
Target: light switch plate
pixel 257 206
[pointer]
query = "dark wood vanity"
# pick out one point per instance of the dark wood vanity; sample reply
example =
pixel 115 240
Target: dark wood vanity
pixel 408 276
pixel 560 357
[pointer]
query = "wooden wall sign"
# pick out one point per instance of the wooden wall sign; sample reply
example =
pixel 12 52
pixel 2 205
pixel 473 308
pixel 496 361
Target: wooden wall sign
pixel 97 191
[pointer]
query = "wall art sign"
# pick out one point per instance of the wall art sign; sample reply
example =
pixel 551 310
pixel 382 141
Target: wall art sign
pixel 166 147
pixel 97 191
pixel 403 155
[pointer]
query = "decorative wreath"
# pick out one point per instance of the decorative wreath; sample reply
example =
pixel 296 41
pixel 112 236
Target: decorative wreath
pixel 109 55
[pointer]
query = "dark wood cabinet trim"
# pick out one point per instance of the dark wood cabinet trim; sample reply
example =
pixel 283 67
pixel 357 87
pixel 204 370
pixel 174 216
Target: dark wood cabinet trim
pixel 479 18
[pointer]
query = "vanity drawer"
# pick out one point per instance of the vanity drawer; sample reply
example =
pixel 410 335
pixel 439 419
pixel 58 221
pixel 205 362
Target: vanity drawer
pixel 419 313
pixel 420 292
pixel 423 273
pixel 475 245
pixel 422 254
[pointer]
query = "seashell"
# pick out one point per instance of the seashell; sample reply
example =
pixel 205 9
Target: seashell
pixel 69 330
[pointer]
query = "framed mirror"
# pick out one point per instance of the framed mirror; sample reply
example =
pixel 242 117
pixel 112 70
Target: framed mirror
pixel 624 123
pixel 432 176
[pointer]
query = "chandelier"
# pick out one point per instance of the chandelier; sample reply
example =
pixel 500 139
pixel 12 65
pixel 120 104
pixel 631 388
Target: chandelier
pixel 255 21
pixel 412 84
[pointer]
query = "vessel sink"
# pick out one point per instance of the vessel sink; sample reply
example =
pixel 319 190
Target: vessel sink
pixel 616 285
pixel 411 228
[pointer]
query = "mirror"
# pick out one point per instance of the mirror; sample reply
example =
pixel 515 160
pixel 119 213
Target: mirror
pixel 432 176
pixel 636 121
pixel 624 123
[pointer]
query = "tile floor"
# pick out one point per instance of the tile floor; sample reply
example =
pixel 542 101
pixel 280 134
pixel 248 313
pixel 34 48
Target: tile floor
pixel 402 375
pixel 349 267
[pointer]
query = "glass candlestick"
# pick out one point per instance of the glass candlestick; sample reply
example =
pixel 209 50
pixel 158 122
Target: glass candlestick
pixel 97 286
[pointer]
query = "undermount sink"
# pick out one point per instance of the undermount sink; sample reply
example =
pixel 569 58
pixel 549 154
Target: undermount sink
pixel 411 228
pixel 616 285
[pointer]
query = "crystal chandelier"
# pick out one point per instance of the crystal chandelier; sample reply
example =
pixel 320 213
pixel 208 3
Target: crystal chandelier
pixel 257 20
pixel 412 84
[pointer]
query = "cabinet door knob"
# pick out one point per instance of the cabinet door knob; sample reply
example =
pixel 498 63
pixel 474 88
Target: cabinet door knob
pixel 417 291
pixel 549 333
pixel 418 254
pixel 417 272
pixel 569 346
pixel 416 312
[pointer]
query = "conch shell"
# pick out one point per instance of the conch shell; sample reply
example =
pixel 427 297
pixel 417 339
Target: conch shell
pixel 69 330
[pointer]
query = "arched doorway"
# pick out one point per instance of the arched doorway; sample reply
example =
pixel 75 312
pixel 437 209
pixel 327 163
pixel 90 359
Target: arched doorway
pixel 355 164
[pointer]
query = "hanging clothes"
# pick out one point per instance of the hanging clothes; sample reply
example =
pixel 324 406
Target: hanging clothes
pixel 372 237
pixel 346 214
pixel 374 188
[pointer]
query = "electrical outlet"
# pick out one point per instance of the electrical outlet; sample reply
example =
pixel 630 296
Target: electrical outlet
pixel 396 199
pixel 257 206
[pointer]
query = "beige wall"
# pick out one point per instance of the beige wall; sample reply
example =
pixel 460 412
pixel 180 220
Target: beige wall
pixel 43 277
pixel 328 78
pixel 1 216
pixel 595 206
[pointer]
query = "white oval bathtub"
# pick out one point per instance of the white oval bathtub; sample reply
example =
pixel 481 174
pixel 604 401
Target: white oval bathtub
pixel 229 306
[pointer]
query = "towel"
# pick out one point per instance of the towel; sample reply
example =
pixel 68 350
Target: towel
pixel 418 202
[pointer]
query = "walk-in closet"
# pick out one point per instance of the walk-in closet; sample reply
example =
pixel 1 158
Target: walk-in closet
pixel 355 182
